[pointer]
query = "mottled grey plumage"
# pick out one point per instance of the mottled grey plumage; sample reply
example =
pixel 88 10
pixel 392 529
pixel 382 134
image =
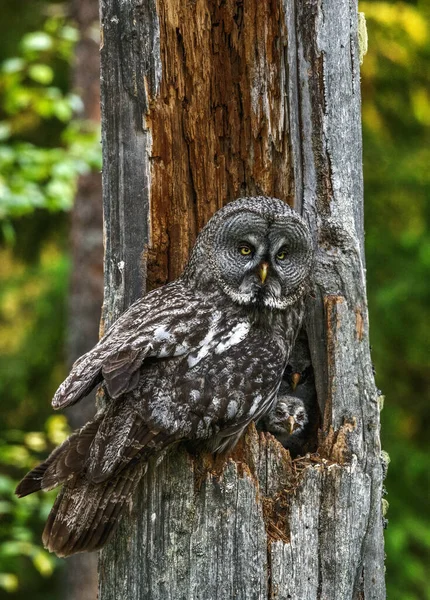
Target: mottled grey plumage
pixel 197 359
pixel 295 417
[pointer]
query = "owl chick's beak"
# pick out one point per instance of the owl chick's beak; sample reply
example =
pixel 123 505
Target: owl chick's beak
pixel 295 378
pixel 290 425
pixel 264 267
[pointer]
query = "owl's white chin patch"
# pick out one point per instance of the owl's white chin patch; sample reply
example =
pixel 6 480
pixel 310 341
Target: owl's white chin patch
pixel 270 295
pixel 248 298
pixel 256 298
pixel 252 293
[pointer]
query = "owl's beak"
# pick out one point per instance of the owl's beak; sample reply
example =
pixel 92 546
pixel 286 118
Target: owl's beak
pixel 264 267
pixel 295 378
pixel 290 425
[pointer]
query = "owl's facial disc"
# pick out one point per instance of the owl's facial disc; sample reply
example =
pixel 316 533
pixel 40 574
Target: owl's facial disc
pixel 262 261
pixel 289 417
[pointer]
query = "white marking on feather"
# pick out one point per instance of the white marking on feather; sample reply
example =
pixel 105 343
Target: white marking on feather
pixel 215 403
pixel 194 360
pixel 195 395
pixel 236 335
pixel 231 409
pixel 207 342
pixel 181 349
pixel 163 352
pixel 161 334
pixel 213 329
pixel 255 404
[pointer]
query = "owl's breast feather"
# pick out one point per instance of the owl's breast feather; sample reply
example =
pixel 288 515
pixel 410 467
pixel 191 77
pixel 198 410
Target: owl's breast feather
pixel 228 375
pixel 218 341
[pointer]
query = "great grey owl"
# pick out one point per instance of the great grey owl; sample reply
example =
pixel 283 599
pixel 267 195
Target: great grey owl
pixel 197 359
pixel 295 416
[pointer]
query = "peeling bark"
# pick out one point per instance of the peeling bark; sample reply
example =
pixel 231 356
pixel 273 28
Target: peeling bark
pixel 219 119
pixel 204 101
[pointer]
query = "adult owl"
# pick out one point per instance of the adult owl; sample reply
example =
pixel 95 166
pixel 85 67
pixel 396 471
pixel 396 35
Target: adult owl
pixel 295 416
pixel 197 359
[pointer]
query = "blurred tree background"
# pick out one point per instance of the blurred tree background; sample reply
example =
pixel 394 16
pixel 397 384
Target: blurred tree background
pixel 45 148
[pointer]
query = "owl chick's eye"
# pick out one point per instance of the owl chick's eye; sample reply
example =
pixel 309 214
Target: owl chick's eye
pixel 246 249
pixel 282 254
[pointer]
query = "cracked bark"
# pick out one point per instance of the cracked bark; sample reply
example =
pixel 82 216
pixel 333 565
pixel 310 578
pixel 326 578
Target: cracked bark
pixel 204 101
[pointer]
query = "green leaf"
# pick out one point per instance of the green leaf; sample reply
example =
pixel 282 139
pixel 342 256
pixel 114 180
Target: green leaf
pixel 5 130
pixel 57 429
pixel 69 33
pixel 5 507
pixel 22 534
pixel 64 170
pixel 14 455
pixel 9 582
pixel 41 73
pixel 15 548
pixel 36 441
pixel 13 65
pixel 36 41
pixel 7 485
pixel 63 110
pixel 44 563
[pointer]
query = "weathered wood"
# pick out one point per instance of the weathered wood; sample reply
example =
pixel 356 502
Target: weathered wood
pixel 130 66
pixel 328 80
pixel 203 526
pixel 204 101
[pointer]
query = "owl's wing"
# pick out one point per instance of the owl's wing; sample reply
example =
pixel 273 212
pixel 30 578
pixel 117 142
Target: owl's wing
pixel 156 326
pixel 101 449
pixel 99 467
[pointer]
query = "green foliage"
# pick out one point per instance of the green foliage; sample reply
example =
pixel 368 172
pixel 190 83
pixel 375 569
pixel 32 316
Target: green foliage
pixel 21 520
pixel 33 175
pixel 408 534
pixel 396 134
pixel 31 347
pixel 43 150
pixel 31 365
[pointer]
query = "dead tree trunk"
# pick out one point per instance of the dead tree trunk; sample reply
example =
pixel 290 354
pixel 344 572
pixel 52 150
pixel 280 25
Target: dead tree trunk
pixel 202 102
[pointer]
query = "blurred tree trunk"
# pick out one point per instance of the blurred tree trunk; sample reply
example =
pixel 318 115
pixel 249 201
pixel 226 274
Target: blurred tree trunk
pixel 202 102
pixel 86 286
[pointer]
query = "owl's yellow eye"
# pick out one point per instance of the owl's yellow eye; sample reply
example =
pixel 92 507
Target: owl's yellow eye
pixel 245 250
pixel 282 254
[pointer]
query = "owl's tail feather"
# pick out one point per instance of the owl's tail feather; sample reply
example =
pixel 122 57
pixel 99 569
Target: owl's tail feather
pixel 85 514
pixel 99 467
pixel 62 463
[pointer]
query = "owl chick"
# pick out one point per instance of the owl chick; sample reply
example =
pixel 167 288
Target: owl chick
pixel 295 417
pixel 197 359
